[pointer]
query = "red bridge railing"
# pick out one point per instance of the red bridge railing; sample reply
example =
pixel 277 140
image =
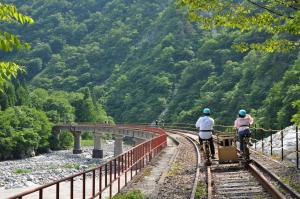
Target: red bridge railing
pixel 96 181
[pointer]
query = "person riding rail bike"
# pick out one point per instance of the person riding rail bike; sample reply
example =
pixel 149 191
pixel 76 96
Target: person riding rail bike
pixel 205 125
pixel 242 124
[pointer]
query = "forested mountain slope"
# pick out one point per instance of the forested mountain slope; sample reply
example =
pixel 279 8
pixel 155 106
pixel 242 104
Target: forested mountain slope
pixel 132 54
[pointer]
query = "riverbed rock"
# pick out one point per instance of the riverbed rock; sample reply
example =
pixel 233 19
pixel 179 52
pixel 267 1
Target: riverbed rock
pixel 46 168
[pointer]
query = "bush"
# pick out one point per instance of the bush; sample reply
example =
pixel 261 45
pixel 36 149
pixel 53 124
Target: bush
pixel 24 131
pixel 87 136
pixel 54 142
pixel 107 136
pixel 22 171
pixel 65 140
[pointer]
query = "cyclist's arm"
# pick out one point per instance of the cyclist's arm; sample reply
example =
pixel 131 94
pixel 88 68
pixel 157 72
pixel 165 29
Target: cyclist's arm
pixel 251 120
pixel 236 124
pixel 198 123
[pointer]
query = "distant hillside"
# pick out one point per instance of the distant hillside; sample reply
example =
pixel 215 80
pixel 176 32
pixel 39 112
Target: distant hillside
pixel 132 54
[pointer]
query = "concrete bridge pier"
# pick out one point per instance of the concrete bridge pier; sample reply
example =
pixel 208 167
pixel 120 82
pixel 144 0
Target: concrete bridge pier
pixel 97 151
pixel 118 147
pixel 77 137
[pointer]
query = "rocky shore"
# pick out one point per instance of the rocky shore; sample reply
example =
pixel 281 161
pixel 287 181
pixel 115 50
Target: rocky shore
pixel 48 167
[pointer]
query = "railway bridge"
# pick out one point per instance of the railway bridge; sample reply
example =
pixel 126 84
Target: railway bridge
pixel 119 132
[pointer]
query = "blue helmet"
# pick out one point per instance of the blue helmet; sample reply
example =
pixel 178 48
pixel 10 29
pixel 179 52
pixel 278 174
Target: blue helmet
pixel 206 111
pixel 242 112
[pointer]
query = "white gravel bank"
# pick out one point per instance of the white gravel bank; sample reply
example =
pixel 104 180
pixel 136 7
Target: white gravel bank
pixel 289 144
pixel 45 168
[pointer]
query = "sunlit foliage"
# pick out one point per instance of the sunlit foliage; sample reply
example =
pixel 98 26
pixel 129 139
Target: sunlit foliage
pixel 279 18
pixel 10 42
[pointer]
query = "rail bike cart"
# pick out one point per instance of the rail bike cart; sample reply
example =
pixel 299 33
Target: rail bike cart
pixel 227 148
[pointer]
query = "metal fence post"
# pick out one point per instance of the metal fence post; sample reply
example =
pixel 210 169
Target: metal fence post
pixel 255 138
pixel 281 145
pixel 271 141
pixel 262 140
pixel 297 147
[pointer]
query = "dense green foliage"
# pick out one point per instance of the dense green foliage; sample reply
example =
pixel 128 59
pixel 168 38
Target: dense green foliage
pixel 137 58
pixel 65 107
pixel 9 42
pixel 279 18
pixel 296 117
pixel 24 130
pixel 63 140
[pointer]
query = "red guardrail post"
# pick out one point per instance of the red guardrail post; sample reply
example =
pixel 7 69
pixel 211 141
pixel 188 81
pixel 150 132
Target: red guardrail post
pixel 105 172
pixel 83 185
pixel 71 188
pixel 131 157
pixel 41 194
pixel 147 151
pixel 122 163
pixel 143 155
pixel 136 154
pixel 110 179
pixel 100 182
pixel 140 156
pixel 126 166
pixel 93 183
pixel 119 169
pixel 57 190
pixel 150 149
pixel 115 167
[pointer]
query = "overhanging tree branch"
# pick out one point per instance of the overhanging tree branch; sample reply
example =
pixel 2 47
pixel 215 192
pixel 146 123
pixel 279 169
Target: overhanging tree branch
pixel 269 10
pixel 288 5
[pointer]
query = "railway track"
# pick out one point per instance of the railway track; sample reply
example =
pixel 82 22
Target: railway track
pixel 278 171
pixel 240 181
pixel 234 181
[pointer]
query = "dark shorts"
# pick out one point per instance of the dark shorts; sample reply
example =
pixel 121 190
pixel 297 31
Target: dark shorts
pixel 245 133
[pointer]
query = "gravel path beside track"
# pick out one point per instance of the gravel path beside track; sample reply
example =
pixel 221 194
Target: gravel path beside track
pixel 178 182
pixel 149 179
pixel 285 171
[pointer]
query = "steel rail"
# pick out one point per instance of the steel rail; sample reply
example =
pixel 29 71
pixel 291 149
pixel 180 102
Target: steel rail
pixel 270 187
pixel 277 179
pixel 209 183
pixel 274 177
pixel 265 183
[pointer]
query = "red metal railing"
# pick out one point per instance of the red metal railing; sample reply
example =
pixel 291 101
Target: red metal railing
pixel 110 173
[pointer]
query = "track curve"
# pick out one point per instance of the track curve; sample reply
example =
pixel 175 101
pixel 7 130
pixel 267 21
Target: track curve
pixel 235 180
